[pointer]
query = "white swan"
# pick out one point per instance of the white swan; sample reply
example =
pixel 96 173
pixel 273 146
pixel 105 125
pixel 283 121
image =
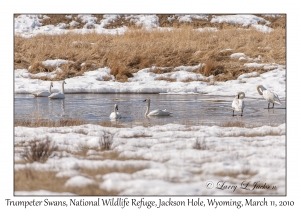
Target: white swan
pixel 156 112
pixel 115 114
pixel 43 93
pixel 238 103
pixel 268 95
pixel 59 94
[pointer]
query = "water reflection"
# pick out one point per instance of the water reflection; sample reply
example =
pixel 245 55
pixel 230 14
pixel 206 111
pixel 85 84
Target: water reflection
pixel 186 109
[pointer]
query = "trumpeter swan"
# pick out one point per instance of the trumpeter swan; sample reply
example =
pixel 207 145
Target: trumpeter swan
pixel 156 112
pixel 115 114
pixel 238 103
pixel 43 93
pixel 268 95
pixel 59 94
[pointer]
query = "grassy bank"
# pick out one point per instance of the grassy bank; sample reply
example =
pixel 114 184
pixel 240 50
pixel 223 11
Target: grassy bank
pixel 137 49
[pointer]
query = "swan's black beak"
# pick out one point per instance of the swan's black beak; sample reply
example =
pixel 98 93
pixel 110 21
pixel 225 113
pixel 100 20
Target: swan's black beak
pixel 144 100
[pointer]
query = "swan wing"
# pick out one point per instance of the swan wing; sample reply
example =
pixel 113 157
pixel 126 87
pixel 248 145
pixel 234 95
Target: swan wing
pixel 271 97
pixel 235 104
pixel 159 112
pixel 238 104
pixel 41 94
pixel 241 104
pixel 57 95
pixel 276 99
pixel 113 115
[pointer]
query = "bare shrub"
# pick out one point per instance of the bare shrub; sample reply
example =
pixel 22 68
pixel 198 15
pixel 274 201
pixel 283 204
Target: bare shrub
pixel 200 144
pixel 105 141
pixel 39 151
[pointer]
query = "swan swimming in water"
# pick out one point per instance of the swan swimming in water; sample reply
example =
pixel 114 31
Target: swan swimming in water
pixel 43 93
pixel 268 95
pixel 238 103
pixel 156 112
pixel 115 114
pixel 59 95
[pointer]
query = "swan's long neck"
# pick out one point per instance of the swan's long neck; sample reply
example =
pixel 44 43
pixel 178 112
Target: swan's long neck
pixel 62 88
pixel 50 87
pixel 116 110
pixel 148 108
pixel 259 89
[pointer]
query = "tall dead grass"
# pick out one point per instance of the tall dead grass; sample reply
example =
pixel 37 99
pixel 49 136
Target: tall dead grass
pixel 40 122
pixel 32 180
pixel 136 49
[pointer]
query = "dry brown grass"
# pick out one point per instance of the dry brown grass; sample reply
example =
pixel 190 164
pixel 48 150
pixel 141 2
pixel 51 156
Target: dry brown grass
pixel 39 122
pixel 192 80
pixel 158 70
pixel 107 123
pixel 137 49
pixel 32 180
pixel 233 124
pixel 235 174
pixel 169 79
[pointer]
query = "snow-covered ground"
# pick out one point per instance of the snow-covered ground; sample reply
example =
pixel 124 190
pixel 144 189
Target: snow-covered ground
pixel 144 81
pixel 30 25
pixel 165 157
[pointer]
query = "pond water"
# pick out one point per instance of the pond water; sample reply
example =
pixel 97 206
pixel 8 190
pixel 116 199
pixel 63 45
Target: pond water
pixel 186 109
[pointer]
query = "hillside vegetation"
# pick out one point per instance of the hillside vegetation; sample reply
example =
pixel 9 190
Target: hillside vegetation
pixel 139 48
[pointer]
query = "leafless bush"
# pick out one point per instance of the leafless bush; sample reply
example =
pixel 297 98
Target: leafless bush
pixel 39 151
pixel 200 144
pixel 105 141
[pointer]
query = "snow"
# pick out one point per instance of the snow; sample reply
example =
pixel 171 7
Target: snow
pixel 163 154
pixel 55 63
pixel 237 55
pixel 79 181
pixel 145 81
pixel 244 20
pixel 147 21
pixel 207 29
pixel 188 18
pixel 30 25
pixel 262 28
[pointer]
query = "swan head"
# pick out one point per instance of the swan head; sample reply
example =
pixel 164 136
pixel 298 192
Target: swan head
pixel 260 88
pixel 51 84
pixel 116 107
pixel 147 99
pixel 240 95
pixel 64 82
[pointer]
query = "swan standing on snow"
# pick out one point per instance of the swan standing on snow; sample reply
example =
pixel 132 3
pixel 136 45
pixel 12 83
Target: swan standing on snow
pixel 268 95
pixel 156 112
pixel 115 114
pixel 43 93
pixel 60 94
pixel 238 103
